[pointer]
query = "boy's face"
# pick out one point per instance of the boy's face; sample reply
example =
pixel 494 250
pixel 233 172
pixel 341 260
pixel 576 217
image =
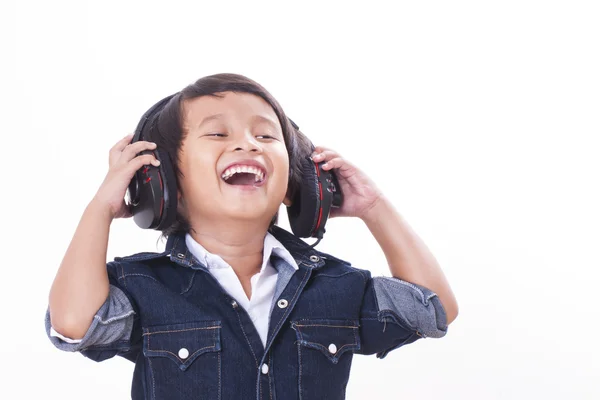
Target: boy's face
pixel 238 128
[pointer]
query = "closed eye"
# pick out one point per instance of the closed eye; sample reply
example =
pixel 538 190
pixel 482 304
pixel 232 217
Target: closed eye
pixel 216 134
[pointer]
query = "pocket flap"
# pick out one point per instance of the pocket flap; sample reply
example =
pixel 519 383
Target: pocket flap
pixel 182 343
pixel 332 337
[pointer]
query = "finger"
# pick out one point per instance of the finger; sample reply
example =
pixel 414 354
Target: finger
pixel 132 149
pixel 120 145
pixel 337 162
pixel 325 155
pixel 142 160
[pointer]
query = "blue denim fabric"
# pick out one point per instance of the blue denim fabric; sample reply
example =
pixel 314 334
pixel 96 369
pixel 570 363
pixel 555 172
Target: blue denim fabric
pixel 189 339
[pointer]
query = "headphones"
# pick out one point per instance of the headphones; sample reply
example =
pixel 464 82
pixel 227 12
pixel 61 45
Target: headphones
pixel 152 191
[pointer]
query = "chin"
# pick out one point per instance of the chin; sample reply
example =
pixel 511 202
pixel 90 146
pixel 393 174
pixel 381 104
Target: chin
pixel 249 212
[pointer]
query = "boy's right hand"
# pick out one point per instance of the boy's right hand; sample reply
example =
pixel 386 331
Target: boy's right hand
pixel 123 163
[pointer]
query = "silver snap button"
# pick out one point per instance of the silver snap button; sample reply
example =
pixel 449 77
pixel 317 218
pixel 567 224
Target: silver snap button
pixel 332 348
pixel 265 369
pixel 234 304
pixel 183 353
pixel 180 255
pixel 283 303
pixel 314 258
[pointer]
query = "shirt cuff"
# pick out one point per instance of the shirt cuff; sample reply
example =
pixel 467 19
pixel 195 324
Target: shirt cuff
pixel 63 338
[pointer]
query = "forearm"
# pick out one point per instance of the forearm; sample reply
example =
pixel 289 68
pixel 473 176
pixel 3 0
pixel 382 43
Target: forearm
pixel 81 284
pixel 408 257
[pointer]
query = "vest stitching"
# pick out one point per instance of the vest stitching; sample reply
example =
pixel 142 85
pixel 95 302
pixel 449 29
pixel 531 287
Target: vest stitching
pixel 271 385
pixel 293 301
pixel 167 351
pixel 183 330
pixel 248 341
pixel 300 368
pixel 331 326
pixel 152 374
pixel 219 391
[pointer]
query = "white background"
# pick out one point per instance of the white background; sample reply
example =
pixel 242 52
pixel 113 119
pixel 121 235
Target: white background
pixel 479 119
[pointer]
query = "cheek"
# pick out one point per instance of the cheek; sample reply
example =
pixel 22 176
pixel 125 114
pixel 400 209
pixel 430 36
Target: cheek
pixel 198 173
pixel 283 165
pixel 283 178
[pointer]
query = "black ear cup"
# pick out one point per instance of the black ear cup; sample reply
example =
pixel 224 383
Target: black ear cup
pixel 169 200
pixel 304 211
pixel 312 204
pixel 152 191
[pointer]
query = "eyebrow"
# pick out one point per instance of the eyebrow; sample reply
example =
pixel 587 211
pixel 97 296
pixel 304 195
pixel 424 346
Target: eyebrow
pixel 265 119
pixel 209 118
pixel 254 118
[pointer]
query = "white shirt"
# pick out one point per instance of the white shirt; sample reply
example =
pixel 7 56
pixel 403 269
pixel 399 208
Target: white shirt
pixel 263 283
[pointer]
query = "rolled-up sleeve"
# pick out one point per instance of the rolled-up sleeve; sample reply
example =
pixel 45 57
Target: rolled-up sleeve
pixel 115 328
pixel 395 313
pixel 112 323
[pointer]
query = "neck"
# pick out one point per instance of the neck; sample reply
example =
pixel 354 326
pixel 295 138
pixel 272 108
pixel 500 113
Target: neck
pixel 239 243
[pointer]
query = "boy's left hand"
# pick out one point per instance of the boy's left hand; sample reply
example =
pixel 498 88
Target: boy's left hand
pixel 358 191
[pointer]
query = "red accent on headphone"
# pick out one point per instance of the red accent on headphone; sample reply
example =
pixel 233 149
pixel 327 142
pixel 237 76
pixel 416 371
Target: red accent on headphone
pixel 162 198
pixel 320 198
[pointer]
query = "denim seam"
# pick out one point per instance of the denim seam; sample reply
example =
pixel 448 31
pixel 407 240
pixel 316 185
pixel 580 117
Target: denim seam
pixel 246 337
pixel 300 332
pixel 176 356
pixel 356 340
pixel 304 342
pixel 362 272
pixel 399 320
pixel 334 276
pixel 259 388
pixel 270 376
pixel 143 276
pixel 280 322
pixel 122 274
pixel 300 368
pixel 377 307
pixel 153 381
pixel 191 282
pixel 219 368
pixel 424 299
pixel 330 326
pixel 183 330
pixel 113 319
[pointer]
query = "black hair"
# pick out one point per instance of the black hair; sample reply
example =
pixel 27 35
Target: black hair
pixel 169 133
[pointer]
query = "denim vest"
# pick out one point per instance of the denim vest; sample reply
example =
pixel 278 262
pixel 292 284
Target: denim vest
pixel 189 339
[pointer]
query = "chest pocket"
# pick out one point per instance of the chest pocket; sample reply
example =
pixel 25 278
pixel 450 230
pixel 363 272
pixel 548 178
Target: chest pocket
pixel 184 360
pixel 325 348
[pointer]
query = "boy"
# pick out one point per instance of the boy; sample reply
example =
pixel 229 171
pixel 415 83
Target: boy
pixel 235 307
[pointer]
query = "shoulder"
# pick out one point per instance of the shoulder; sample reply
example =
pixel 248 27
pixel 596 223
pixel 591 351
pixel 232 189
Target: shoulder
pixel 140 272
pixel 341 267
pixel 143 263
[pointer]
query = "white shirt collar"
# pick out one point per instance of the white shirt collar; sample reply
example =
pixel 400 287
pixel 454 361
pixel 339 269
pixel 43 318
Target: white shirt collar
pixel 271 245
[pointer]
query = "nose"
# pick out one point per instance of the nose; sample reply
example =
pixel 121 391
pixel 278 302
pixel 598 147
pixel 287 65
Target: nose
pixel 247 142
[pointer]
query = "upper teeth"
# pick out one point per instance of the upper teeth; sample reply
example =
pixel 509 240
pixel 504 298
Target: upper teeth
pixel 228 173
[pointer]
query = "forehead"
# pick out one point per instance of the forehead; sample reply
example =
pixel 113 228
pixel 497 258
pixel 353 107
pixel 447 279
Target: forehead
pixel 229 107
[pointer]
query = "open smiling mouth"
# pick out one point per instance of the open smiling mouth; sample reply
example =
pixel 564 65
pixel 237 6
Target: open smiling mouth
pixel 244 176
